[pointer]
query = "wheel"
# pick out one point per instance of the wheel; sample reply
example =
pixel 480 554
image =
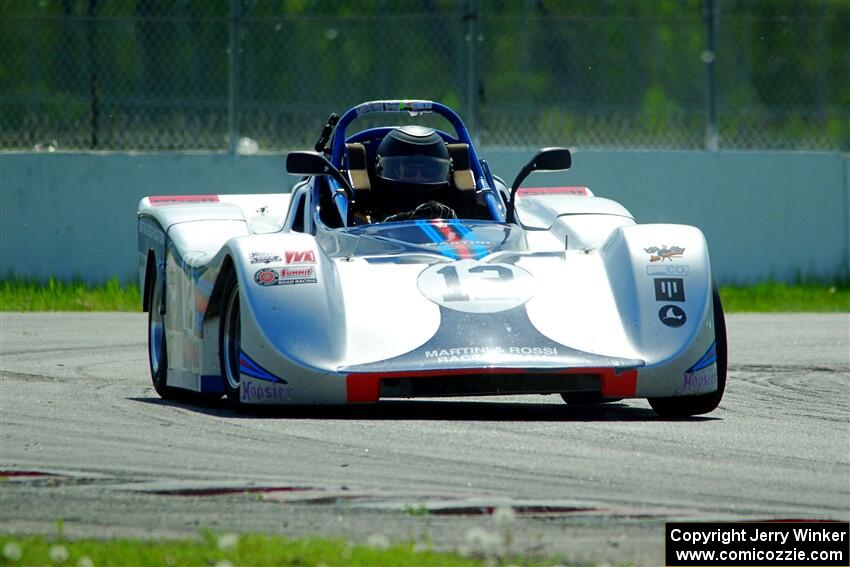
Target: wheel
pixel 587 399
pixel 229 346
pixel 157 351
pixel 683 406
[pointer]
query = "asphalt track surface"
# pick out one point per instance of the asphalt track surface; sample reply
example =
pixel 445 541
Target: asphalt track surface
pixel 587 484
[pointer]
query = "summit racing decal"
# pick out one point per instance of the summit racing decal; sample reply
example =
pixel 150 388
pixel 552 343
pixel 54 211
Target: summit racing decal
pixel 476 287
pixel 286 276
pixel 293 276
pixel 266 277
pixel 664 252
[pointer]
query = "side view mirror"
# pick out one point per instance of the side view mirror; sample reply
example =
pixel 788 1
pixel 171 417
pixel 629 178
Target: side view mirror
pixel 315 163
pixel 547 159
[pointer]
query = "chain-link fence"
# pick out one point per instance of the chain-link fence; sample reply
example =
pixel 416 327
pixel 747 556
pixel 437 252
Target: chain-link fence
pixel 200 75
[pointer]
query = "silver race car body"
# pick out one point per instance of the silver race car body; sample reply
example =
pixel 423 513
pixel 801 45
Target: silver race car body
pixel 287 299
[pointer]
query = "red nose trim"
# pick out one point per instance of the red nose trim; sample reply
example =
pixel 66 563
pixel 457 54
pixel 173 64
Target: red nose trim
pixel 365 387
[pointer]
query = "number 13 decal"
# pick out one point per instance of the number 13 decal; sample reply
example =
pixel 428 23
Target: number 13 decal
pixel 450 274
pixel 476 287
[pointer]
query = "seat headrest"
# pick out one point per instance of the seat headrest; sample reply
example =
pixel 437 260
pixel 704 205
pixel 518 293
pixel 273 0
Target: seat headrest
pixel 462 176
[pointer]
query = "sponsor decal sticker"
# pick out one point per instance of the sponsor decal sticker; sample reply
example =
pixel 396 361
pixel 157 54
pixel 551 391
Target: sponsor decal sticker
pixel 487 353
pixel 680 270
pixel 266 277
pixel 672 316
pixel 300 256
pixel 700 382
pixel 259 392
pixel 263 258
pixel 669 289
pixel 476 287
pixel 664 252
pixel 286 276
pixel 294 276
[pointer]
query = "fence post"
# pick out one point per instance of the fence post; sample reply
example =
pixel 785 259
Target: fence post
pixel 709 57
pixel 232 78
pixel 472 31
pixel 91 41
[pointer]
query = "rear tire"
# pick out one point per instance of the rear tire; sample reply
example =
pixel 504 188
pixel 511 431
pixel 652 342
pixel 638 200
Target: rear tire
pixel 230 338
pixel 684 406
pixel 157 350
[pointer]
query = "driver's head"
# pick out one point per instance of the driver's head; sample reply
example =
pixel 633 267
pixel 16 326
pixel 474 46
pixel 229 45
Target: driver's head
pixel 413 167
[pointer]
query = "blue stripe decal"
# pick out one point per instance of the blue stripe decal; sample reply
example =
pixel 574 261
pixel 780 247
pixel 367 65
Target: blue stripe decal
pixel 437 238
pixel 254 370
pixel 478 251
pixel 709 358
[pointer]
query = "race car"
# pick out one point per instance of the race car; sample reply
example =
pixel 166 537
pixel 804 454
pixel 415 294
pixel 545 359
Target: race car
pixel 399 266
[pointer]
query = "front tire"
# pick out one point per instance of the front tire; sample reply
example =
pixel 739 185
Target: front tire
pixel 230 338
pixel 157 350
pixel 685 406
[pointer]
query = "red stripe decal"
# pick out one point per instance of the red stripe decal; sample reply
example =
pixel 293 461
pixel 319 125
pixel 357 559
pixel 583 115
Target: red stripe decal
pixel 531 191
pixel 619 385
pixel 182 199
pixel 363 388
pixel 455 240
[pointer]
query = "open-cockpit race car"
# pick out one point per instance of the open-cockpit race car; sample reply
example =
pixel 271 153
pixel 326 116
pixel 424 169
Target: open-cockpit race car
pixel 399 266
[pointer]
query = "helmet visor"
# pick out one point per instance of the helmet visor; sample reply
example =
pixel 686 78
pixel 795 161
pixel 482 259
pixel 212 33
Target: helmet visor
pixel 415 169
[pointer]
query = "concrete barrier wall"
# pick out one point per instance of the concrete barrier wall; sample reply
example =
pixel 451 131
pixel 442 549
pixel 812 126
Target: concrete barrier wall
pixel 766 215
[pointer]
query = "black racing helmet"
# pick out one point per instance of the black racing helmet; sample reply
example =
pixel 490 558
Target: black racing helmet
pixel 413 167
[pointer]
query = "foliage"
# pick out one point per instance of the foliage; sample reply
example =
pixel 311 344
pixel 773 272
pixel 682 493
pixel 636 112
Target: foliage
pixel 27 295
pixel 155 74
pixel 227 549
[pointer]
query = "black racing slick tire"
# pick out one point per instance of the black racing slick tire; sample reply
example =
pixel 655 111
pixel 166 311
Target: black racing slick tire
pixel 157 351
pixel 230 338
pixel 685 406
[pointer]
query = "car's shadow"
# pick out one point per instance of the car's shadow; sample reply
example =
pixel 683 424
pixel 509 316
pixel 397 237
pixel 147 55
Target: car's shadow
pixel 429 410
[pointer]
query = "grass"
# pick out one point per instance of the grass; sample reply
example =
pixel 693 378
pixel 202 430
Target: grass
pixel 774 297
pixel 225 550
pixel 27 295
